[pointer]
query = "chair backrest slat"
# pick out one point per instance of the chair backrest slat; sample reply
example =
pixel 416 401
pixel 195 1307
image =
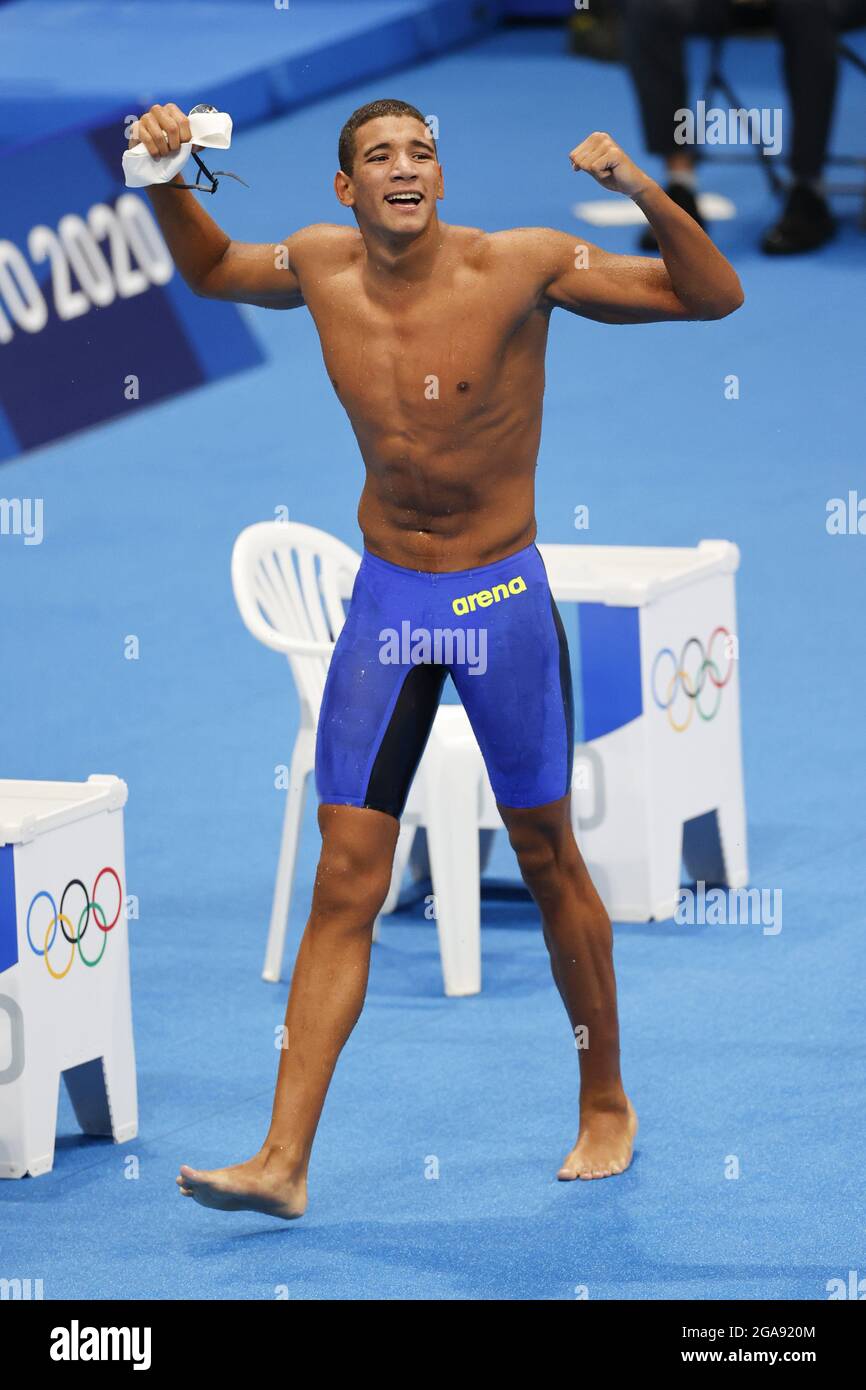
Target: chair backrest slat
pixel 289 581
pixel 274 594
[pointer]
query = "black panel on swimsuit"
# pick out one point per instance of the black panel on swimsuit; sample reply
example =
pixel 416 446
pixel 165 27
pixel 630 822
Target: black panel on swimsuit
pixel 405 739
pixel 567 691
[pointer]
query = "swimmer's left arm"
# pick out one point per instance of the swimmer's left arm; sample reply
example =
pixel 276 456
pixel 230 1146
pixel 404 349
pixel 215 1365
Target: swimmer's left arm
pixel 692 280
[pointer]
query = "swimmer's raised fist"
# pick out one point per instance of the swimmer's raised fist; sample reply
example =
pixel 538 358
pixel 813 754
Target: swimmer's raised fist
pixel 601 156
pixel 162 130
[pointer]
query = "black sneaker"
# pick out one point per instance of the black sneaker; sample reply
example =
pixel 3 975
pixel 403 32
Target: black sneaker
pixel 806 224
pixel 684 198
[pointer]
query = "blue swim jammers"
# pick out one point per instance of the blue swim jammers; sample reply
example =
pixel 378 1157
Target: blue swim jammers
pixel 497 631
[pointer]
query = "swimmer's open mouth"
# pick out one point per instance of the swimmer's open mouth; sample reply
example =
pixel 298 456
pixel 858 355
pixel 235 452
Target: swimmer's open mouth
pixel 412 199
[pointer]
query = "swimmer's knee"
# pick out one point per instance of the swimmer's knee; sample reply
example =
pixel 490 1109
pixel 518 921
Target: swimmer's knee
pixel 353 876
pixel 547 853
pixel 546 873
pixel 547 856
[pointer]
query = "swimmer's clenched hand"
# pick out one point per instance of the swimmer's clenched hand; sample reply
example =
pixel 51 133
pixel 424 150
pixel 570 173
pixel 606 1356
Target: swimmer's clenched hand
pixel 212 264
pixel 601 156
pixel 162 130
pixel 691 281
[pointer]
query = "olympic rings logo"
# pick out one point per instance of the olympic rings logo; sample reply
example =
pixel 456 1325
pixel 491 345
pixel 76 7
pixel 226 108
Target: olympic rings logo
pixel 693 683
pixel 90 905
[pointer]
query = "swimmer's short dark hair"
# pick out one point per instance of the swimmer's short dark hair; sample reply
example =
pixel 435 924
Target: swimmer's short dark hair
pixel 385 107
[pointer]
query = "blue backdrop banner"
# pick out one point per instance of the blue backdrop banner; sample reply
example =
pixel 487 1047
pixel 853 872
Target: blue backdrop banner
pixel 94 319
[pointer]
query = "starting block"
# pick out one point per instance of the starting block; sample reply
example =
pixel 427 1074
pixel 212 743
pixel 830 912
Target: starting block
pixel 658 776
pixel 65 1006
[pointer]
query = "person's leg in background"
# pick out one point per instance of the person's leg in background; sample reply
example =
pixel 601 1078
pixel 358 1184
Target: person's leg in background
pixel 654 33
pixel 809 31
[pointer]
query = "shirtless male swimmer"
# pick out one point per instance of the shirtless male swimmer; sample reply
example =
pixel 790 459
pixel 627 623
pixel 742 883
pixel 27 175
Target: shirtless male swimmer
pixel 447 515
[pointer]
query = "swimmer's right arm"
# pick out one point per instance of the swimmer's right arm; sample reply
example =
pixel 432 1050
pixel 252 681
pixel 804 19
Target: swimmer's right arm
pixel 213 265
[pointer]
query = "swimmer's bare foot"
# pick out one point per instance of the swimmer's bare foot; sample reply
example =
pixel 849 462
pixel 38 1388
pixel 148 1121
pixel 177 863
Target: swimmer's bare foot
pixel 604 1144
pixel 271 1182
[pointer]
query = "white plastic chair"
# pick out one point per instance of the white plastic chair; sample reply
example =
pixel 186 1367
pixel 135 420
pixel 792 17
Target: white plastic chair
pixel 289 582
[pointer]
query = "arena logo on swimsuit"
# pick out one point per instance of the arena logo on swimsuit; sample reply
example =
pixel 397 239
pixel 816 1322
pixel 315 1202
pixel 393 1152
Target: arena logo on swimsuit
pixel 485 597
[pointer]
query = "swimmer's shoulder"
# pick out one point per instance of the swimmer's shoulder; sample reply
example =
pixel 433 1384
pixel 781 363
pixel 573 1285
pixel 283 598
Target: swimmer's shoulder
pixel 537 247
pixel 324 247
pixel 514 254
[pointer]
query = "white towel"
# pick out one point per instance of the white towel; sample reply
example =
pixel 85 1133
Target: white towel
pixel 212 129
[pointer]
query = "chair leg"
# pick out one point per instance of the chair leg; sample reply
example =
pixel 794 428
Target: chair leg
pixel 733 834
pixel 401 859
pixel 666 852
pixel 485 848
pixel 717 82
pixel 452 837
pixel 40 1126
pixel 419 856
pixel 301 766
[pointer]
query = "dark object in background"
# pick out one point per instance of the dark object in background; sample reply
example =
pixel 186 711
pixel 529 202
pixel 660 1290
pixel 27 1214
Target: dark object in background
pixel 805 224
pixel 684 198
pixel 595 32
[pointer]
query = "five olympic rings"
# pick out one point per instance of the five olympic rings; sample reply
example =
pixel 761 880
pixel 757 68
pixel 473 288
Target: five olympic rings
pixel 90 905
pixel 694 683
